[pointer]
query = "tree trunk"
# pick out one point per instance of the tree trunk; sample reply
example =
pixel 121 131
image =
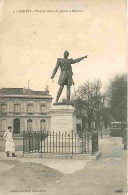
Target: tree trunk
pixel 83 124
pixel 89 125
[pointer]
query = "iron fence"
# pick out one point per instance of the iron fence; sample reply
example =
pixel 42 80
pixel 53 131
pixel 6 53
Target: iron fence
pixel 60 143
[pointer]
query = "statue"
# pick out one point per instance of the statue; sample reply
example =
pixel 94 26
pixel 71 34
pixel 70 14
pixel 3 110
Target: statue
pixel 66 74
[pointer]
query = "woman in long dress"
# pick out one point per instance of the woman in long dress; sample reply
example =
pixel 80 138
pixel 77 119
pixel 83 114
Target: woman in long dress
pixel 9 143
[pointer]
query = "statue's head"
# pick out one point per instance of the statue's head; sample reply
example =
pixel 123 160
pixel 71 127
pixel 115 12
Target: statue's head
pixel 66 53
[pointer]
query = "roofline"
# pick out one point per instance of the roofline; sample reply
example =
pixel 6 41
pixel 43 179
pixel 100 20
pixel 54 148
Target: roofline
pixel 27 96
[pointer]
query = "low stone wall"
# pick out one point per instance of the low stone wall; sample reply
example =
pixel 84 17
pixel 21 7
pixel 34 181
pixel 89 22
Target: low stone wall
pixel 63 156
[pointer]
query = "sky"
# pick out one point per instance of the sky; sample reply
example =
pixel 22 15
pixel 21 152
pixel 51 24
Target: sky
pixel 31 42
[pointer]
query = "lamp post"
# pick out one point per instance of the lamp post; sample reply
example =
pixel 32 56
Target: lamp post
pixel 101 126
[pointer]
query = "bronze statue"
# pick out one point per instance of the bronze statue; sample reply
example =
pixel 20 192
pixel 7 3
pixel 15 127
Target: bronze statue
pixel 66 73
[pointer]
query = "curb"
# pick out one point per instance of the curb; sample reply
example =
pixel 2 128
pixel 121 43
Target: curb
pixel 62 156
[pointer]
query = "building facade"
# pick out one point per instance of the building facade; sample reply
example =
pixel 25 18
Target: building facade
pixel 24 109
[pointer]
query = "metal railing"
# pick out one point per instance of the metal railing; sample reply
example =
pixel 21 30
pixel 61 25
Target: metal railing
pixel 59 143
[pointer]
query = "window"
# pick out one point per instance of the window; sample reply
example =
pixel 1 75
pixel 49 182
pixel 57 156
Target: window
pixel 17 108
pixel 29 125
pixel 3 125
pixel 3 109
pixel 43 125
pixel 43 107
pixel 30 109
pixel 16 126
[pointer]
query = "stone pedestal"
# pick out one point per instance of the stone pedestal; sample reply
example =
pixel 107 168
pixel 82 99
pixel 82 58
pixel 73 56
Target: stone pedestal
pixel 63 118
pixel 62 138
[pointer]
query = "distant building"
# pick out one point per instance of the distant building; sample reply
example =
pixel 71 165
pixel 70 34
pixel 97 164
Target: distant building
pixel 24 109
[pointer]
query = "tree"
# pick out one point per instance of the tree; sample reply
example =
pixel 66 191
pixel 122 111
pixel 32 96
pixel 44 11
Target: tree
pixel 106 116
pixel 89 102
pixel 117 97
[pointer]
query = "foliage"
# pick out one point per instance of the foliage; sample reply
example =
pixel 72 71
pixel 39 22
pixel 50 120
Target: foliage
pixel 106 116
pixel 89 101
pixel 117 97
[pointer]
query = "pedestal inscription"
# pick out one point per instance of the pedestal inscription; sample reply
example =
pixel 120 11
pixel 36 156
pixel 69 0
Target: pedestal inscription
pixel 63 118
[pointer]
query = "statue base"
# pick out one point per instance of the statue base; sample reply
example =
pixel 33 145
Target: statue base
pixel 63 103
pixel 63 117
pixel 63 138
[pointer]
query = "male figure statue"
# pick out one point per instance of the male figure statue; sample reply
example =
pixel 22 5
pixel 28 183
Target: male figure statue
pixel 66 73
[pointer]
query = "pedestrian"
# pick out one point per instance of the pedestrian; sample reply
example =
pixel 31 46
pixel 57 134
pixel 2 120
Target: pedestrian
pixel 125 138
pixel 9 143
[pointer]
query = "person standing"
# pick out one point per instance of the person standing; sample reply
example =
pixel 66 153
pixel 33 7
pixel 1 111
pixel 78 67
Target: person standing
pixel 125 138
pixel 9 143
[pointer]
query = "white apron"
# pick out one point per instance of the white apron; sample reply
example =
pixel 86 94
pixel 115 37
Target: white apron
pixel 9 143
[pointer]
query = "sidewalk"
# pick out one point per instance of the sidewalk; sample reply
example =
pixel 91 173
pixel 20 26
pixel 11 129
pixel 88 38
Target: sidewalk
pixel 66 166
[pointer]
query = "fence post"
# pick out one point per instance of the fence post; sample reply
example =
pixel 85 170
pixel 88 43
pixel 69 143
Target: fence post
pixel 59 141
pixel 85 142
pixel 47 141
pixel 38 143
pixel 65 143
pixel 32 141
pixel 82 140
pixel 94 142
pixel 23 142
pixel 29 138
pixel 41 141
pixel 50 142
pixel 56 142
pixel 53 141
pixel 35 141
pixel 62 143
pixel 69 142
pixel 72 142
pixel 97 143
pixel 75 143
pixel 44 134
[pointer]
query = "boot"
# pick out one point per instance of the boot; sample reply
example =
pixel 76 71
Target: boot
pixel 68 98
pixel 59 93
pixel 68 93
pixel 13 155
pixel 57 99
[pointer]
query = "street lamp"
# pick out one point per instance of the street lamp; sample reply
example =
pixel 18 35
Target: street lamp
pixel 101 126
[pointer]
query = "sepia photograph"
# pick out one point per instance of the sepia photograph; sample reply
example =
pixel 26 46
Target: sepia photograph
pixel 63 97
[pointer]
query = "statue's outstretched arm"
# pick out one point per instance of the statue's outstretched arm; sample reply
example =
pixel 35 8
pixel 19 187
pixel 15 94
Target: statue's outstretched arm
pixel 55 69
pixel 78 59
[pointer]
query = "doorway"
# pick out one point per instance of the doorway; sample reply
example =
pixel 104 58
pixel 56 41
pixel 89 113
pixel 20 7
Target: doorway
pixel 16 126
